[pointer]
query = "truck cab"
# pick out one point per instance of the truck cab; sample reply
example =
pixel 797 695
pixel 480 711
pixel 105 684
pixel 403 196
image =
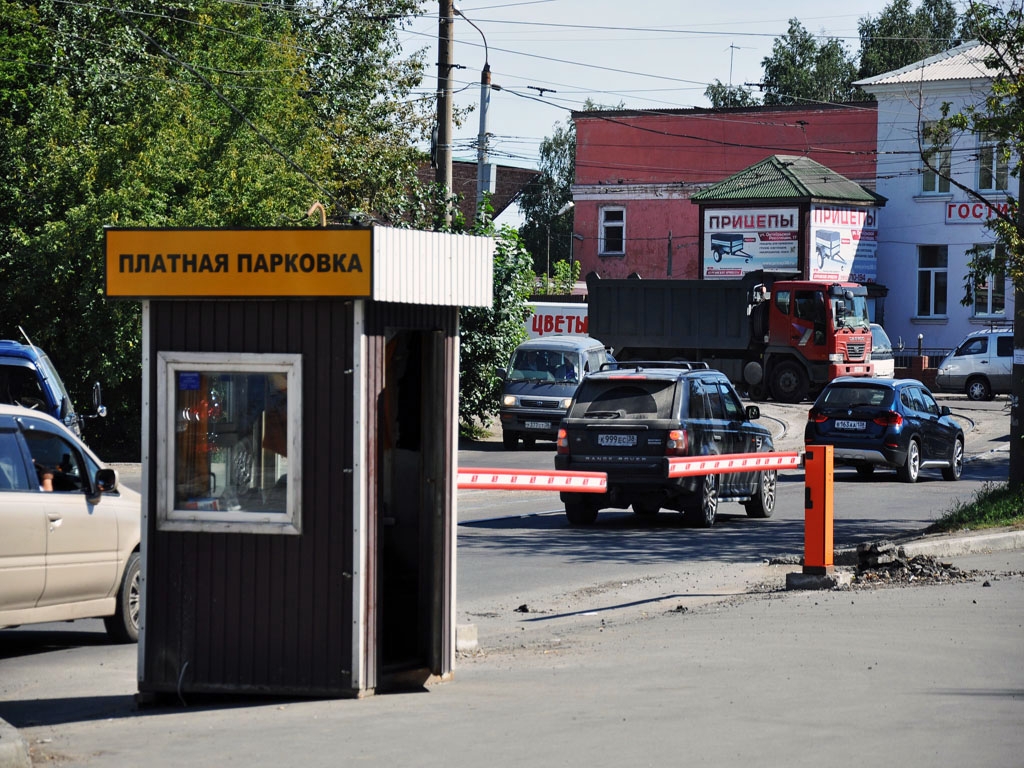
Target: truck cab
pixel 816 332
pixel 28 378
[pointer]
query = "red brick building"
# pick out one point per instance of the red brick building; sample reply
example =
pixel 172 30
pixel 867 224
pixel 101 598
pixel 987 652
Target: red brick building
pixel 637 169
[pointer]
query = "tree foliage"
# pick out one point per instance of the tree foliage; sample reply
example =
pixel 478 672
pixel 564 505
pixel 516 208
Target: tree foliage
pixel 899 36
pixel 722 96
pixel 999 117
pixel 801 70
pixel 546 234
pixel 201 113
pixel 489 335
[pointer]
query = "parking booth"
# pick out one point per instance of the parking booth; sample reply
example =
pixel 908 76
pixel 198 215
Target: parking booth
pixel 300 403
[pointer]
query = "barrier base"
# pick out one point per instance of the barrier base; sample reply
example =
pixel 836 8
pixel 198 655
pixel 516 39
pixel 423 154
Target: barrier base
pixel 832 580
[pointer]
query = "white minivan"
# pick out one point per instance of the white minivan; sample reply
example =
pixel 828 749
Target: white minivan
pixel 981 365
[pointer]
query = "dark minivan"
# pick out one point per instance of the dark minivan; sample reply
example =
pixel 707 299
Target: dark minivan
pixel 540 382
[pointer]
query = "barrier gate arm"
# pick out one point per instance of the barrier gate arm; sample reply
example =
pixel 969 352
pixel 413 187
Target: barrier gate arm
pixel 532 480
pixel 733 462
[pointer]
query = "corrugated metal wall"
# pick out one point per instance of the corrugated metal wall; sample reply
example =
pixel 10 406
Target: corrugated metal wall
pixel 432 268
pixel 255 612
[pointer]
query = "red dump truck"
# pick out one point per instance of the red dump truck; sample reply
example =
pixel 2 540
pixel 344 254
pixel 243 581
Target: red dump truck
pixel 778 337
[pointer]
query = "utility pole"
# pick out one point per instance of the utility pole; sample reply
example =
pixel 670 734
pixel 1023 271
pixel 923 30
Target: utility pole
pixel 1016 478
pixel 484 170
pixel 445 41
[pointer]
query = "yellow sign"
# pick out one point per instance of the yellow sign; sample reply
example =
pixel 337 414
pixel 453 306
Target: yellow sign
pixel 188 263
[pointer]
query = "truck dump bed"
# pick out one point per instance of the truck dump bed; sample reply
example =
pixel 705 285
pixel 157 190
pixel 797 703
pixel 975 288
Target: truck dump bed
pixel 682 314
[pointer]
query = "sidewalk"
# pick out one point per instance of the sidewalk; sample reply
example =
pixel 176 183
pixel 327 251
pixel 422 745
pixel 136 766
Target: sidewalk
pixel 914 676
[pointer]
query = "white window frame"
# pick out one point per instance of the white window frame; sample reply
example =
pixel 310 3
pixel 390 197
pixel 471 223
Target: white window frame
pixel 992 163
pixel 931 182
pixel 605 224
pixel 989 280
pixel 932 272
pixel 223 521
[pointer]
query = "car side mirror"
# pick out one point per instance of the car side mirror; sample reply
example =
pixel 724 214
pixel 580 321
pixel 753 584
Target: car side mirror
pixel 97 400
pixel 753 412
pixel 106 480
pixel 502 373
pixel 944 410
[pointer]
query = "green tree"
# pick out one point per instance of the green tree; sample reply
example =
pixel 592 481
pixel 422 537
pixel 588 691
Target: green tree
pixel 199 114
pixel 489 335
pixel 899 36
pixel 801 70
pixel 545 232
pixel 1000 118
pixel 721 95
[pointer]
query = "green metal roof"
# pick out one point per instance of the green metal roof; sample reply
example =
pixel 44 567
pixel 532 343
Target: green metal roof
pixel 790 178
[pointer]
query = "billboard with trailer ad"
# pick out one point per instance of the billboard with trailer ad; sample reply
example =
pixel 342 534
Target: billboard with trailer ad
pixel 741 240
pixel 844 243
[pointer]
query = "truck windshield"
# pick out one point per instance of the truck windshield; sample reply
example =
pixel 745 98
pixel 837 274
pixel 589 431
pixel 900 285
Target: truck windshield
pixel 543 365
pixel 50 372
pixel 851 312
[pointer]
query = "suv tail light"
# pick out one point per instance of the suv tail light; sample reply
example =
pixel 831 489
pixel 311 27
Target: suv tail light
pixel 562 441
pixel 889 419
pixel 678 443
pixel 816 416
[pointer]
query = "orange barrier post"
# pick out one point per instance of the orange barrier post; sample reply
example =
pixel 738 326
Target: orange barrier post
pixel 818 510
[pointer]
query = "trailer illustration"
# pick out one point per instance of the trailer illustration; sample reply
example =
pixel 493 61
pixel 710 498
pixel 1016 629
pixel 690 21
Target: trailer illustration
pixel 728 244
pixel 826 244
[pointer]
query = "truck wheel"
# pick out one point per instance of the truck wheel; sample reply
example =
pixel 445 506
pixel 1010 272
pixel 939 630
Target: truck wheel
pixel 978 389
pixel 580 511
pixel 789 383
pixel 763 503
pixel 509 441
pixel 703 509
pixel 912 466
pixel 123 626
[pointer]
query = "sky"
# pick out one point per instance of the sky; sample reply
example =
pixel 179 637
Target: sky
pixel 550 56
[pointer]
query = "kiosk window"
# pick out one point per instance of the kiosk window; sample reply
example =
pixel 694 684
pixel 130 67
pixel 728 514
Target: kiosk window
pixel 230 453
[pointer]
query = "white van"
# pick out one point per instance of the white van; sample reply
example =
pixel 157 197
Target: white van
pixel 881 352
pixel 981 365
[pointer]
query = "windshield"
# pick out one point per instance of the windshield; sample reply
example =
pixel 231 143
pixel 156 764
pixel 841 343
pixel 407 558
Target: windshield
pixel 543 365
pixel 879 340
pixel 851 312
pixel 55 381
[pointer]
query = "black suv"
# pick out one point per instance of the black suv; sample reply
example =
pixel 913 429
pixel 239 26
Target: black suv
pixel 629 419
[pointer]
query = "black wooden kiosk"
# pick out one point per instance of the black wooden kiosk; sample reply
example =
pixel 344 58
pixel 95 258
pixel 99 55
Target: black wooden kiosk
pixel 299 451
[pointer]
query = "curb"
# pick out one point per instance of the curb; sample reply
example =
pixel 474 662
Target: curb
pixel 13 750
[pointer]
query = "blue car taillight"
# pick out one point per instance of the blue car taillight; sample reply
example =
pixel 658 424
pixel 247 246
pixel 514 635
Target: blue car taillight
pixel 889 419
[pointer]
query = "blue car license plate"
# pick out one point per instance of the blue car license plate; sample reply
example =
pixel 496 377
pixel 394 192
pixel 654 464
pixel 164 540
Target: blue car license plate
pixel 852 425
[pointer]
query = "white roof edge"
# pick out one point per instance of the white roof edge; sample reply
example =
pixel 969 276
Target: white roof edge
pixel 918 67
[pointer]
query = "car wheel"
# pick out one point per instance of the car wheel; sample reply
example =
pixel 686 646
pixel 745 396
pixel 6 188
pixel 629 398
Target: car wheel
pixel 704 507
pixel 646 508
pixel 865 470
pixel 912 466
pixel 509 441
pixel 123 626
pixel 763 503
pixel 789 383
pixel 978 389
pixel 956 468
pixel 580 511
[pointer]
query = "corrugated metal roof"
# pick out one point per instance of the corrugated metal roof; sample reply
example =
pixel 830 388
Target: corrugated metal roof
pixel 965 62
pixel 788 177
pixel 434 268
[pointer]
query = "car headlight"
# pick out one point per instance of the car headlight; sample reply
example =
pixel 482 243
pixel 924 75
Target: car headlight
pixel 835 358
pixel 508 401
pixel 565 402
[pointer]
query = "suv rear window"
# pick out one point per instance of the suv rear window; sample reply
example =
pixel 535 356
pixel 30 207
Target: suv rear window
pixel 854 395
pixel 642 398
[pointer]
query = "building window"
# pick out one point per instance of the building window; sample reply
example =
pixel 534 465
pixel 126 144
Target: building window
pixel 229 458
pixel 613 232
pixel 990 289
pixel 993 166
pixel 932 275
pixel 939 156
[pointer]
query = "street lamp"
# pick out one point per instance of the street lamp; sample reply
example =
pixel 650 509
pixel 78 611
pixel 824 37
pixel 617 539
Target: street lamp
pixel 483 170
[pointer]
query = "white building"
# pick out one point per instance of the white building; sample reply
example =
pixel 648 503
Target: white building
pixel 928 225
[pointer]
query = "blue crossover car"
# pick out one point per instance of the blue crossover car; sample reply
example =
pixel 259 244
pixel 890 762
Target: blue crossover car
pixel 892 423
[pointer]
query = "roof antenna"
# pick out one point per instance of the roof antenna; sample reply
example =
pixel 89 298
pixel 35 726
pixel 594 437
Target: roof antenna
pixel 26 336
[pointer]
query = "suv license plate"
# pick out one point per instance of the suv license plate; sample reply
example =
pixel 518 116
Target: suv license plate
pixel 611 440
pixel 538 425
pixel 844 424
